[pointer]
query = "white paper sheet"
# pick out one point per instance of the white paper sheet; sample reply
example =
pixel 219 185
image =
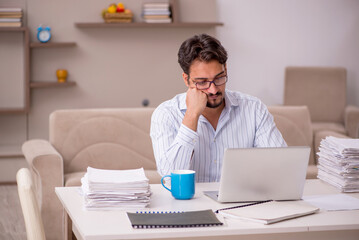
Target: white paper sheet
pixel 333 202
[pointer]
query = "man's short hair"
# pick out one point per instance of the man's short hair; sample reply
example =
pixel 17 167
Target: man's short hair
pixel 203 48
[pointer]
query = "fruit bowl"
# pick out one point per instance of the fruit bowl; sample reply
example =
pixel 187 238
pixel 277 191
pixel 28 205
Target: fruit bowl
pixel 118 17
pixel 117 14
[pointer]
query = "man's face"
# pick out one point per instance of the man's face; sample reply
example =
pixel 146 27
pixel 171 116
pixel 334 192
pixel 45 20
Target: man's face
pixel 208 71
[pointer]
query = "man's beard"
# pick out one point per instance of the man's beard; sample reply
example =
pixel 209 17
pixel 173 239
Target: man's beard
pixel 215 105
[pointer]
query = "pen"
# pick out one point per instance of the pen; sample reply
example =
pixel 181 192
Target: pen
pixel 246 205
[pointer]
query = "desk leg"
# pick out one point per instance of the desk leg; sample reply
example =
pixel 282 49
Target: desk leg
pixel 68 228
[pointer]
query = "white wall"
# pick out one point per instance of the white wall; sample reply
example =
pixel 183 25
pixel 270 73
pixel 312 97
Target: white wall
pixel 263 37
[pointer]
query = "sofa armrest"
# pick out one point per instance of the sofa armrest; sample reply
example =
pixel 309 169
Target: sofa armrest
pixel 351 121
pixel 46 165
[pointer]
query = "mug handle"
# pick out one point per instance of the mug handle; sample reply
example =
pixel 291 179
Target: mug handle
pixel 164 184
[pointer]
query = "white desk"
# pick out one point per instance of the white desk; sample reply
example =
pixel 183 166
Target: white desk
pixel 115 224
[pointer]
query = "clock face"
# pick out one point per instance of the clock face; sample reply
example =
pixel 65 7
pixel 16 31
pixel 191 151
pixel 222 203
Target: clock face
pixel 44 36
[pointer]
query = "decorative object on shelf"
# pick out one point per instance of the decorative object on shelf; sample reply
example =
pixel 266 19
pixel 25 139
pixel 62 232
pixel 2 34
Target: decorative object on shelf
pixel 43 33
pixel 157 12
pixel 61 75
pixel 117 14
pixel 10 17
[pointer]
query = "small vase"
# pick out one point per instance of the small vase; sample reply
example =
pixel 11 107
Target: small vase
pixel 61 75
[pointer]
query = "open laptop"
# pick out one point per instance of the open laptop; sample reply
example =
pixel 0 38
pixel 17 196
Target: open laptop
pixel 259 174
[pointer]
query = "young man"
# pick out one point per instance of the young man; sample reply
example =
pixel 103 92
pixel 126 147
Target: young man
pixel 192 130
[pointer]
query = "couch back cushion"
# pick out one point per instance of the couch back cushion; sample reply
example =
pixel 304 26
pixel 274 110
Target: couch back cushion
pixel 322 89
pixel 295 125
pixel 103 138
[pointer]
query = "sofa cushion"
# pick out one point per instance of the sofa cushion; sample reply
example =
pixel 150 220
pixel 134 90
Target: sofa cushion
pixel 103 138
pixel 327 126
pixel 317 88
pixel 294 124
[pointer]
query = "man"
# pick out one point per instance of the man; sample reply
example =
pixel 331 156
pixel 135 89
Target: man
pixel 192 130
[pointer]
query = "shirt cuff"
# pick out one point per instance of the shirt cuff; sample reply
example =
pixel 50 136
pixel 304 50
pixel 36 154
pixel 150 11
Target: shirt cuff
pixel 187 136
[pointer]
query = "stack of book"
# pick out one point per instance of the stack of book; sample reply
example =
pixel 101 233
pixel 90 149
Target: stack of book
pixel 10 17
pixel 157 12
pixel 338 163
pixel 115 189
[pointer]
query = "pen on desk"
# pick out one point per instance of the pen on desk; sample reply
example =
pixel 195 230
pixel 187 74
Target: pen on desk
pixel 246 205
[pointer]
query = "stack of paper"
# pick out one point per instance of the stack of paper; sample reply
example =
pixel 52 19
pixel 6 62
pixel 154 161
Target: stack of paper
pixel 338 163
pixel 115 189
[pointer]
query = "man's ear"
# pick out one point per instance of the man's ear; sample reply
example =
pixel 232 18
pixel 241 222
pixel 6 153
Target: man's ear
pixel 185 79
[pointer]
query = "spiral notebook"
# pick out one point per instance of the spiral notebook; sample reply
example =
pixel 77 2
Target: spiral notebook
pixel 203 218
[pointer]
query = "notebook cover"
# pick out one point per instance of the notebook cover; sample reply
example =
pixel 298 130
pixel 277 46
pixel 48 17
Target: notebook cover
pixel 202 218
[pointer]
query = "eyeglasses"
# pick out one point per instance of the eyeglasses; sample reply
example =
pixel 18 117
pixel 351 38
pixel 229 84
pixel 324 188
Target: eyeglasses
pixel 217 81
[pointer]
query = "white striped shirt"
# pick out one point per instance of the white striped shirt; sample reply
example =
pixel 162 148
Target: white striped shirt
pixel 244 123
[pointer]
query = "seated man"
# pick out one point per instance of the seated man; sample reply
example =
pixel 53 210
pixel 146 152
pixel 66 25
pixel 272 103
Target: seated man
pixel 191 130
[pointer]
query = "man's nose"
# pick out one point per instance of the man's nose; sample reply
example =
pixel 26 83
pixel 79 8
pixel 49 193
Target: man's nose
pixel 212 88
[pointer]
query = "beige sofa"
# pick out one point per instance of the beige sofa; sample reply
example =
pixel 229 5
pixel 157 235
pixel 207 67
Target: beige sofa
pixel 116 139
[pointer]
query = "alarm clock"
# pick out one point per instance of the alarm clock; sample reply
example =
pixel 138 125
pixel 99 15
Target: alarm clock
pixel 43 34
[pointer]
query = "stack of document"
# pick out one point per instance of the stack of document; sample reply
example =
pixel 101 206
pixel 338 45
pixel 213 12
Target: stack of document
pixel 338 163
pixel 115 189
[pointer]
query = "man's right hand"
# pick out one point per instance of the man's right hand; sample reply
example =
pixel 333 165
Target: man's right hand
pixel 196 101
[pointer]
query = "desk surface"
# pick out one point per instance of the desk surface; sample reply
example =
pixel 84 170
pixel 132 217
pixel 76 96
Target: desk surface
pixel 115 224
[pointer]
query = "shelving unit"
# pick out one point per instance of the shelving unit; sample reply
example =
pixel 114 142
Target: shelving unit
pixel 51 84
pixel 26 41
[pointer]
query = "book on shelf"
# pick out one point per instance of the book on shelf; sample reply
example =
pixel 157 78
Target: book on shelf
pixel 270 212
pixel 156 17
pixel 10 15
pixel 10 19
pixel 169 20
pixel 10 24
pixel 10 10
pixel 156 5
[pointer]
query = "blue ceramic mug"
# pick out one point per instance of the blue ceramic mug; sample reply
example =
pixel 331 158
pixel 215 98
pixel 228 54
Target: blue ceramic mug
pixel 182 184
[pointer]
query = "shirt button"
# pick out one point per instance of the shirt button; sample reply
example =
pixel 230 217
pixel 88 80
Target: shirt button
pixel 214 140
pixel 215 161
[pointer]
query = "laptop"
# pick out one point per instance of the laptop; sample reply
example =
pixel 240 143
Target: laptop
pixel 260 174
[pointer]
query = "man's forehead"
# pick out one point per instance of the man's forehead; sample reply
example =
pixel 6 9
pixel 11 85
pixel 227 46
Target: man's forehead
pixel 212 68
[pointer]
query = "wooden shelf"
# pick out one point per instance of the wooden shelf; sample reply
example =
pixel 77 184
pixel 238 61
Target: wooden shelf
pixel 52 44
pixel 13 110
pixel 147 25
pixel 51 84
pixel 10 151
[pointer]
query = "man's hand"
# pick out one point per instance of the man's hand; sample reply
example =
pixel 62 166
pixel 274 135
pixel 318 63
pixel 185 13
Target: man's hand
pixel 196 101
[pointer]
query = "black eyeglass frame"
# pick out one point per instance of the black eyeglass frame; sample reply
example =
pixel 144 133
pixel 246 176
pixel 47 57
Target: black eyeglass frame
pixel 210 82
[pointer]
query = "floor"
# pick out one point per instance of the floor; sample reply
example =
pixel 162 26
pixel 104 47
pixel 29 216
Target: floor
pixel 12 226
